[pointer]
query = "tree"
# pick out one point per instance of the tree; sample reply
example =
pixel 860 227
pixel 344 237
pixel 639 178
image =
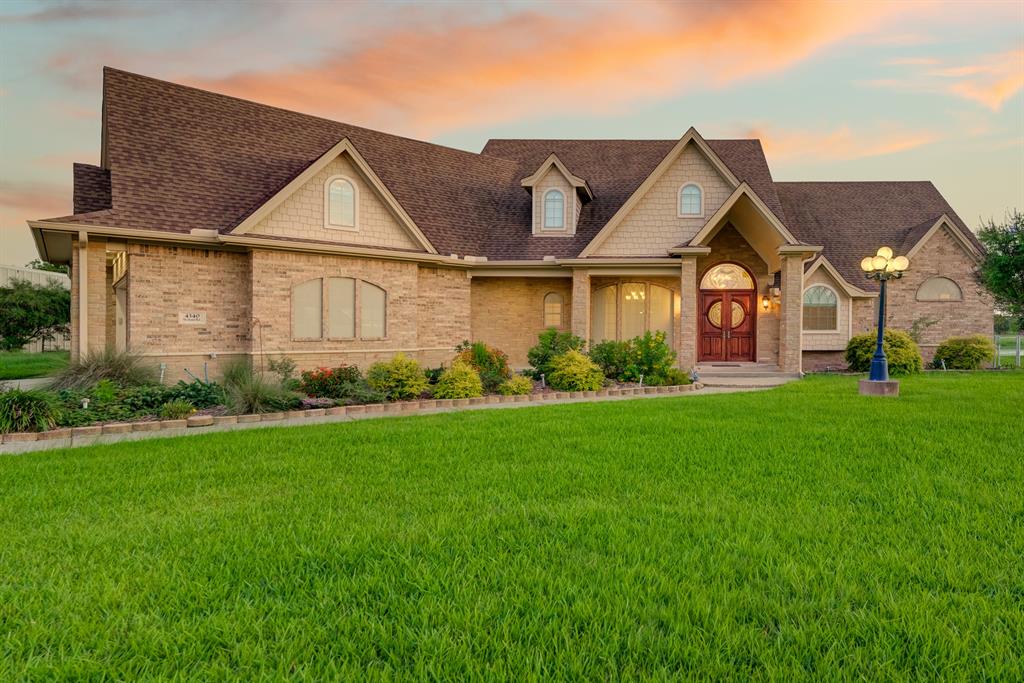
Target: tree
pixel 1002 271
pixel 29 311
pixel 36 264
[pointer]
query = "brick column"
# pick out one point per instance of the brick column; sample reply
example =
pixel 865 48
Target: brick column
pixel 687 333
pixel 96 295
pixel 790 313
pixel 581 304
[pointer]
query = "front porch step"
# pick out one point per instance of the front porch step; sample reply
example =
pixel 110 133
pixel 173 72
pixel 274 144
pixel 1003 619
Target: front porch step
pixel 743 375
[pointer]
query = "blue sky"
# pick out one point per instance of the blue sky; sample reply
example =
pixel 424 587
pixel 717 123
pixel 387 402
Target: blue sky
pixel 836 91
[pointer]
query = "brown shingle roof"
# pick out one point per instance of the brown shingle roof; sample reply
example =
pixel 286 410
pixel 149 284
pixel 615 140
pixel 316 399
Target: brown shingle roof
pixel 852 219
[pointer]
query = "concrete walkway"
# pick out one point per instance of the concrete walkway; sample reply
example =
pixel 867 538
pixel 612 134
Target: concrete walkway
pixel 34 383
pixel 116 433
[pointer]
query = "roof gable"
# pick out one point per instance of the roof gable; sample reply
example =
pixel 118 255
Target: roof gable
pixel 579 183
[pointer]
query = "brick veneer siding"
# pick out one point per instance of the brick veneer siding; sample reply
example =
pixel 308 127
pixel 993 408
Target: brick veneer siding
pixel 508 313
pixel 790 313
pixel 75 295
pixel 729 246
pixel 302 214
pixel 824 361
pixel 653 226
pixel 443 313
pixel 554 180
pixel 580 318
pixel 688 289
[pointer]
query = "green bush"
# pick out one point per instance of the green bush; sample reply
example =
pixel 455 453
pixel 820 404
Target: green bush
pixel 965 353
pixel 329 382
pixel 177 409
pixel 551 343
pixel 573 371
pixel 901 351
pixel 247 392
pixel 461 380
pixel 197 392
pixel 517 386
pixel 400 378
pixel 359 393
pixel 491 363
pixel 648 357
pixel 29 410
pixel 611 356
pixel 121 368
pixel 434 374
pixel 672 377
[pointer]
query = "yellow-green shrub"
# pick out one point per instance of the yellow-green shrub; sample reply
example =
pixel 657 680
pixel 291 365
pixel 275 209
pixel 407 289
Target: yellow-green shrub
pixel 900 350
pixel 573 371
pixel 400 378
pixel 965 353
pixel 517 386
pixel 461 380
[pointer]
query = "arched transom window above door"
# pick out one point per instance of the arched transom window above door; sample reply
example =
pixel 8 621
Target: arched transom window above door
pixel 727 276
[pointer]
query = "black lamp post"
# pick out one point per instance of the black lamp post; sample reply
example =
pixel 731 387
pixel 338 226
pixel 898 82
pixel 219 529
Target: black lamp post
pixel 883 266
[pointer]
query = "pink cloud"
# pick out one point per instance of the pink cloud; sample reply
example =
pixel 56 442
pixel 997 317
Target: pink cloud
pixel 990 79
pixel 28 200
pixel 840 144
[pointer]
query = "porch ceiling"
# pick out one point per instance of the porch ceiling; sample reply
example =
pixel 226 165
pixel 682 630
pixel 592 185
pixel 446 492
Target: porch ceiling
pixel 754 227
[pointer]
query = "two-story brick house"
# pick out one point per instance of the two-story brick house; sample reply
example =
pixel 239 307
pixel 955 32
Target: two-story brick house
pixel 214 228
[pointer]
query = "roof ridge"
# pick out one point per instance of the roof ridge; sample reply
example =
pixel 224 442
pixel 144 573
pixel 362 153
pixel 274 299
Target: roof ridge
pixel 861 182
pixel 289 111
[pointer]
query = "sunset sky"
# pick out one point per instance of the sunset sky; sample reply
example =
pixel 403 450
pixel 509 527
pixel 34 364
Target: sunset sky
pixel 836 91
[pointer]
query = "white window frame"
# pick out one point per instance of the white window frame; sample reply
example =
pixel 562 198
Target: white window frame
pixel 355 204
pixel 838 309
pixel 679 201
pixel 917 293
pixel 544 212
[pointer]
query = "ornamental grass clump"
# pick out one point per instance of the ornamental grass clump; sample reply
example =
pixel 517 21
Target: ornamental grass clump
pixel 120 367
pixel 247 392
pixel 29 410
pixel 399 379
pixel 902 353
pixel 517 386
pixel 964 353
pixel 461 380
pixel 573 371
pixel 178 409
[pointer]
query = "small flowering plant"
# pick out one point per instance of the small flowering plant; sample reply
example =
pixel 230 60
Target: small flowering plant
pixel 329 382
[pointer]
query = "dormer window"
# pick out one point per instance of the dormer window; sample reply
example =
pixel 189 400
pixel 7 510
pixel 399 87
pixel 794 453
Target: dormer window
pixel 554 210
pixel 340 204
pixel 691 201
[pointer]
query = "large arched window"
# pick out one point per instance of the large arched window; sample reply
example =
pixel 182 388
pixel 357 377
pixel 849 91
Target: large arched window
pixel 553 303
pixel 727 276
pixel 939 289
pixel 691 200
pixel 554 210
pixel 627 310
pixel 821 309
pixel 340 203
pixel 350 308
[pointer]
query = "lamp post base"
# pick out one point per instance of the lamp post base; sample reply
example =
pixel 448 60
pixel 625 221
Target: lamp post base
pixel 871 387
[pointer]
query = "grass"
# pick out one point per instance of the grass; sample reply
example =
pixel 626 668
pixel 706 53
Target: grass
pixel 800 533
pixel 24 365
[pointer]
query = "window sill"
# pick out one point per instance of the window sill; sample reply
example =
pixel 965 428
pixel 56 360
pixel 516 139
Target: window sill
pixel 690 215
pixel 342 228
pixel 836 331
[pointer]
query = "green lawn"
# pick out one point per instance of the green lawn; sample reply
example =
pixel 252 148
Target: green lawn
pixel 23 365
pixel 799 533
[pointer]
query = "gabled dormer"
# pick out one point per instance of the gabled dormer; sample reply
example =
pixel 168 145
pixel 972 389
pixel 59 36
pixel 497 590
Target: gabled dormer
pixel 558 198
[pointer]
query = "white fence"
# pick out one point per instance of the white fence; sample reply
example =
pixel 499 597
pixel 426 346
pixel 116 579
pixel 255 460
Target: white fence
pixel 1008 350
pixel 39 277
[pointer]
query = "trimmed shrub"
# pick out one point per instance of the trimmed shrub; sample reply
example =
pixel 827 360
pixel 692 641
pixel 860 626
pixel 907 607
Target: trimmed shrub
pixel 611 356
pixel 491 363
pixel 965 353
pixel 400 378
pixel 517 386
pixel 359 393
pixel 120 367
pixel 197 392
pixel 176 410
pixel 30 410
pixel 573 371
pixel 672 377
pixel 902 353
pixel 461 380
pixel 247 392
pixel 434 374
pixel 329 382
pixel 648 357
pixel 551 343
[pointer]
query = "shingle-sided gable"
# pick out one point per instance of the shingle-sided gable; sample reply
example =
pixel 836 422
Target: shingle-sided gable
pixel 652 225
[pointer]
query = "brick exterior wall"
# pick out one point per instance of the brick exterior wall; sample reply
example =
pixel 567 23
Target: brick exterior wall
pixel 508 313
pixel 443 313
pixel 653 226
pixel 790 313
pixel 729 246
pixel 554 180
pixel 688 290
pixel 302 214
pixel 75 335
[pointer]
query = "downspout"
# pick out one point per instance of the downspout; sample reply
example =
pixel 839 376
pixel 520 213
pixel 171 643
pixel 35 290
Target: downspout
pixel 83 294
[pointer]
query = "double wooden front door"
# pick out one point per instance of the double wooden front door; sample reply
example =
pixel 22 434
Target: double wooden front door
pixel 727 325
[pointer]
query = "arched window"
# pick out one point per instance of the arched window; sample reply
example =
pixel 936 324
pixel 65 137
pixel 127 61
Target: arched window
pixel 691 200
pixel 628 310
pixel 821 309
pixel 373 311
pixel 341 203
pixel 939 289
pixel 727 276
pixel 554 210
pixel 307 310
pixel 553 309
pixel 351 308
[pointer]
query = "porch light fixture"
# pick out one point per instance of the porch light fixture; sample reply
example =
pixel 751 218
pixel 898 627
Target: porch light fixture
pixel 883 266
pixel 765 302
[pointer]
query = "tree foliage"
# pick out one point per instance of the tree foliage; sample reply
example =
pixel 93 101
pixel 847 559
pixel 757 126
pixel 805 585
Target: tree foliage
pixel 1002 271
pixel 29 311
pixel 36 264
